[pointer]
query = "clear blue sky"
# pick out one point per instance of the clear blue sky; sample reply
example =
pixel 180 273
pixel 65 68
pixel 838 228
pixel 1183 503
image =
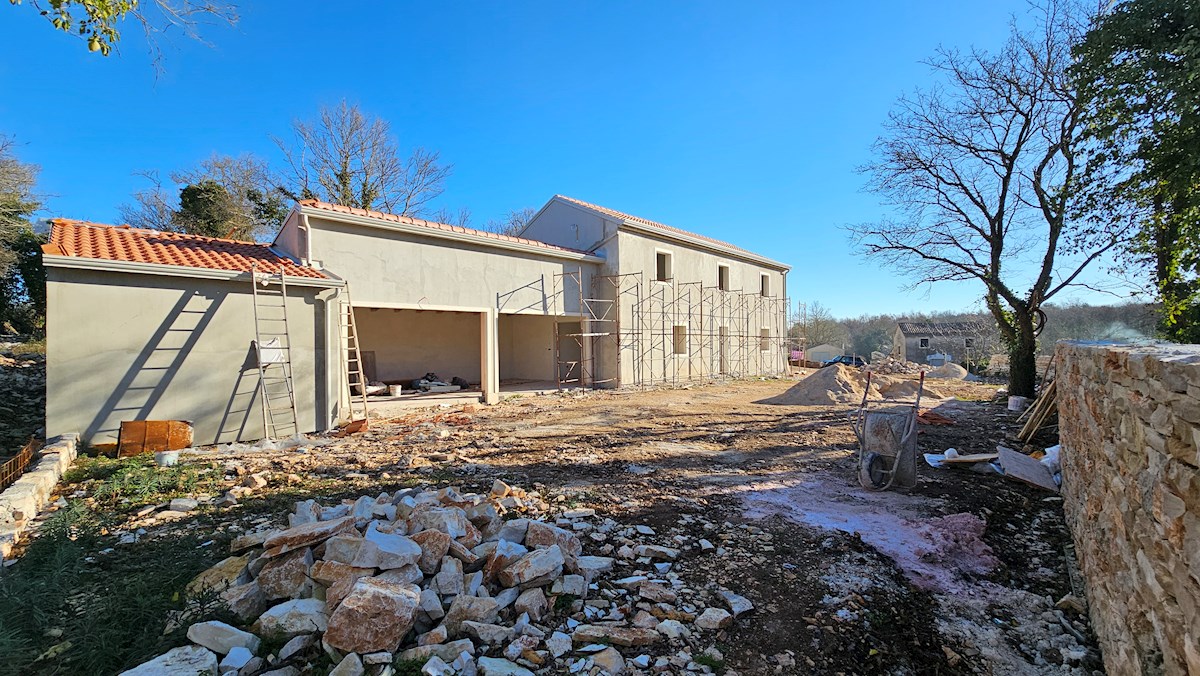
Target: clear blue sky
pixel 742 121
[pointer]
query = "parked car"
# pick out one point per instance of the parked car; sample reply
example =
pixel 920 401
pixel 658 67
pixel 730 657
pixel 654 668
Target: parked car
pixel 856 362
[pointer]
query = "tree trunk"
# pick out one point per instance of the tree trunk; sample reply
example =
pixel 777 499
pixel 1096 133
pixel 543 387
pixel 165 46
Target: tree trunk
pixel 1022 358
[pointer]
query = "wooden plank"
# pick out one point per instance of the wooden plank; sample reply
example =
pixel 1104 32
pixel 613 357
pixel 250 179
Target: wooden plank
pixel 971 459
pixel 147 436
pixel 1024 468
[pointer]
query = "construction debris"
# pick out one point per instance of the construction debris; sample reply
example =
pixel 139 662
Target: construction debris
pixel 1041 413
pixel 459 583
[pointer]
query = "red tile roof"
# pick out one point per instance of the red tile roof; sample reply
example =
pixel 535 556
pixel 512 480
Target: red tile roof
pixel 653 224
pixel 409 220
pixel 135 245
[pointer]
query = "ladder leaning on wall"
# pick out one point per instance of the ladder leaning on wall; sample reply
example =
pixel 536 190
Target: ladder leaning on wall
pixel 352 365
pixel 273 350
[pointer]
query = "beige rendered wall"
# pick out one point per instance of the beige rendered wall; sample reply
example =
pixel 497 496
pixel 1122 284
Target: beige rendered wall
pixel 527 347
pixel 387 267
pixel 571 226
pixel 124 346
pixel 410 343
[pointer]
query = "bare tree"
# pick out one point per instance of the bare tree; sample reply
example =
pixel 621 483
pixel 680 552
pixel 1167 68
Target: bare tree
pixel 981 170
pixel 513 222
pixel 461 218
pixel 352 159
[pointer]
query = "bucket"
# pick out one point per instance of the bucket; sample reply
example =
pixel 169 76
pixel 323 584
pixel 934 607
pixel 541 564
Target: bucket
pixel 166 458
pixel 1018 403
pixel 394 390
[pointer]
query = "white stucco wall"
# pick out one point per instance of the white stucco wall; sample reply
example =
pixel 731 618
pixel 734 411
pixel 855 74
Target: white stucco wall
pixel 526 347
pixel 124 346
pixel 410 343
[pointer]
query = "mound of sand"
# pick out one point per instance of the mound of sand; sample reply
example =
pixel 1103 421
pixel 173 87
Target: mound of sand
pixel 948 371
pixel 832 385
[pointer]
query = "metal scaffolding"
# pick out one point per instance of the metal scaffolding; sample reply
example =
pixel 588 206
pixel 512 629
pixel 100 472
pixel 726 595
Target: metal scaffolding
pixel 634 333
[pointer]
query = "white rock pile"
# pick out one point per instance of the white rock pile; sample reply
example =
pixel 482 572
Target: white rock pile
pixel 451 583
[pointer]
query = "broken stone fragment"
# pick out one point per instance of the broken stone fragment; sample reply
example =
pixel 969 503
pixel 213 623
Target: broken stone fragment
pixel 409 574
pixel 220 637
pixel 446 651
pixel 339 578
pixel 250 540
pixel 431 604
pixel 436 666
pixel 544 535
pixel 246 601
pixel 487 633
pixel 656 593
pixel 343 548
pixel 287 576
pixel 449 520
pixel 657 552
pixel 496 666
pixel 227 573
pixel 449 581
pixel 558 644
pixel 306 535
pixel 514 531
pixel 374 616
pixel 503 554
pixel 539 566
pixel 506 597
pixel 296 645
pixel 610 661
pixel 519 646
pixel 434 545
pixel 592 567
pixel 673 629
pixel 390 550
pixel 351 665
pixel 532 602
pixel 183 504
pixel 471 608
pixel 235 659
pixel 188 660
pixel 434 636
pixel 622 636
pixel 738 605
pixel 291 618
pixel 713 619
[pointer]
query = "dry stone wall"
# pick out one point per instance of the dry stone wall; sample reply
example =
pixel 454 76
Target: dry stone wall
pixel 1130 426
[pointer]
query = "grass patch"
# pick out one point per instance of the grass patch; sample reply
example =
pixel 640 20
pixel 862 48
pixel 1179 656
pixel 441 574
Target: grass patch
pixel 407 667
pixel 64 608
pixel 711 662
pixel 135 481
pixel 563 603
pixel 37 346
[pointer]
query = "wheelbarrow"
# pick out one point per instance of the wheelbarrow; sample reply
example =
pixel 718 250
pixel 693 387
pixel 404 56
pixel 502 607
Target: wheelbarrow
pixel 887 441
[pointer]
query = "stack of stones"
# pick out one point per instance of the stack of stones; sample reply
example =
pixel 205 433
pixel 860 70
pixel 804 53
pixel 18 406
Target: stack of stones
pixel 1129 418
pixel 442 581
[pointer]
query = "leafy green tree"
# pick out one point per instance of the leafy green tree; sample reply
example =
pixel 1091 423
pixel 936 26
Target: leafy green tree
pixel 98 21
pixel 1138 74
pixel 222 197
pixel 22 286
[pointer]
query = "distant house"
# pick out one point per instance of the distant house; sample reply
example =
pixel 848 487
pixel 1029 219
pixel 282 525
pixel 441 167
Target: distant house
pixel 918 341
pixel 822 352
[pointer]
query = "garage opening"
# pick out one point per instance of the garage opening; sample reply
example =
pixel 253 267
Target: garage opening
pixel 526 352
pixel 402 346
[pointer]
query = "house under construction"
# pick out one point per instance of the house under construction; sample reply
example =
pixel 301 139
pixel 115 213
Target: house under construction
pixel 251 340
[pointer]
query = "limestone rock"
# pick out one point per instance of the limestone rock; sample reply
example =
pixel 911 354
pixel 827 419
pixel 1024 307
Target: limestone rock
pixel 488 634
pixel 738 605
pixel 657 552
pixel 471 608
pixel 504 554
pixel 228 573
pixel 538 565
pixel 447 651
pixel 188 660
pixel 449 520
pixel 343 548
pixel 286 576
pixel 533 602
pixel 306 535
pixel 386 550
pixel 544 535
pixel 610 661
pixel 622 636
pixel 291 618
pixel 237 658
pixel 449 581
pixel 374 616
pixel 714 618
pixel 434 544
pixel 496 666
pixel 339 578
pixel 351 665
pixel 246 601
pixel 220 637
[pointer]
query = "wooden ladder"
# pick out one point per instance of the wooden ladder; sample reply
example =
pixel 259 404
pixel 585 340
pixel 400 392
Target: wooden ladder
pixel 273 350
pixel 353 366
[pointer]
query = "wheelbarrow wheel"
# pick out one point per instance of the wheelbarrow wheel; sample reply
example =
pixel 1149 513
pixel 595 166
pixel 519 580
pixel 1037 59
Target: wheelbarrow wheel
pixel 877 469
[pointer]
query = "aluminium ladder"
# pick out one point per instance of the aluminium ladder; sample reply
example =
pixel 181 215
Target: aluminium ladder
pixel 273 350
pixel 353 365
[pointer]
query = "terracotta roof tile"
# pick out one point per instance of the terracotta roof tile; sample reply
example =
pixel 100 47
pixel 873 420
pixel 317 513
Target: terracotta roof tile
pixel 653 224
pixel 135 245
pixel 409 220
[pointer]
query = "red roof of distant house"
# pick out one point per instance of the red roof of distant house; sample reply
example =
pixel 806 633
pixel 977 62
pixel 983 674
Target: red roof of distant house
pixel 653 224
pixel 82 239
pixel 445 227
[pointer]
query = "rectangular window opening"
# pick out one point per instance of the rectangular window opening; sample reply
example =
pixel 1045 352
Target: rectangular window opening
pixel 970 342
pixel 723 277
pixel 679 337
pixel 924 342
pixel 766 285
pixel 662 270
pixel 764 340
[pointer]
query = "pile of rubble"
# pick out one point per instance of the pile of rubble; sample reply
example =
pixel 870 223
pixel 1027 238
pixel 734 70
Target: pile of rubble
pixel 893 366
pixel 22 397
pixel 453 583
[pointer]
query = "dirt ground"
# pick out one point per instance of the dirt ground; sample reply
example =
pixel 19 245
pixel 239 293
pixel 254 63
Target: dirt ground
pixel 958 575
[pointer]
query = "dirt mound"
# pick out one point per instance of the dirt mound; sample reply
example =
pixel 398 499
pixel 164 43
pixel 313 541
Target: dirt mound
pixel 906 389
pixel 832 385
pixel 949 371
